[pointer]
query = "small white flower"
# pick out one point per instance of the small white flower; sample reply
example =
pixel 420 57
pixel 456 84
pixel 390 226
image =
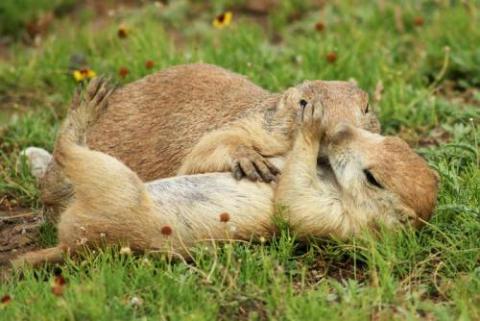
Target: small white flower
pixel 331 297
pixel 158 4
pixel 136 301
pixel 125 251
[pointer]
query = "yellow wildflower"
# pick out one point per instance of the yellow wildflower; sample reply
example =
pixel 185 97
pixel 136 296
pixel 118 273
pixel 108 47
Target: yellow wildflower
pixel 84 73
pixel 223 20
pixel 122 31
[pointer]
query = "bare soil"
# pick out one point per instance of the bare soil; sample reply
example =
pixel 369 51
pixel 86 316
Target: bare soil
pixel 19 233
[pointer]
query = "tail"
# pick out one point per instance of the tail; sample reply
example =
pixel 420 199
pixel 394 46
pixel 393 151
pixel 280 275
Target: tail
pixel 37 159
pixel 100 181
pixel 37 258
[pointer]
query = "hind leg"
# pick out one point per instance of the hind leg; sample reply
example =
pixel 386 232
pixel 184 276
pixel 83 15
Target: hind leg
pixel 110 199
pixel 70 156
pixel 55 188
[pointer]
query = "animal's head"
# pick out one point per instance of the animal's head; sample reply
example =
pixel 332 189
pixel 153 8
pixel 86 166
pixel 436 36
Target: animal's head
pixel 382 176
pixel 342 101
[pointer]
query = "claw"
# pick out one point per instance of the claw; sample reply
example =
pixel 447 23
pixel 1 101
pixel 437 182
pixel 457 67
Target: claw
pixel 273 169
pixel 249 169
pixel 102 93
pixel 264 171
pixel 237 171
pixel 93 86
pixel 253 176
pixel 313 112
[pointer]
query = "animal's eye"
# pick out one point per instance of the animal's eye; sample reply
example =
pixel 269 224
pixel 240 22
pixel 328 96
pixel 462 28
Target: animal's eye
pixel 303 103
pixel 367 109
pixel 371 179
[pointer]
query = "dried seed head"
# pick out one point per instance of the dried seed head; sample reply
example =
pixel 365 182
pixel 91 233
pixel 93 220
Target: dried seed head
pixel 331 57
pixel 224 217
pixel 6 299
pixel 418 21
pixel 123 72
pixel 149 64
pixel 320 26
pixel 166 230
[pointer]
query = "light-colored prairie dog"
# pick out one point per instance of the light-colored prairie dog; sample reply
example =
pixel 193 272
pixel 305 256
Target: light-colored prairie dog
pixel 201 118
pixel 371 179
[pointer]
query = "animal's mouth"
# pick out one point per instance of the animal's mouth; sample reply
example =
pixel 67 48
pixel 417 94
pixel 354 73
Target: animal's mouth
pixel 323 162
pixel 324 165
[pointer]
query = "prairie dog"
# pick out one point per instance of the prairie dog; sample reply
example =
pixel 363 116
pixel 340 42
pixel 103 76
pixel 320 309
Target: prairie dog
pixel 201 118
pixel 112 205
pixel 366 179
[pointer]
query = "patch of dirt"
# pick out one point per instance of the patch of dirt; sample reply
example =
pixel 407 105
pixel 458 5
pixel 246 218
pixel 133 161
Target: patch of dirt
pixel 244 308
pixel 451 91
pixel 435 137
pixel 4 52
pixel 338 270
pixel 19 231
pixel 19 101
pixel 425 138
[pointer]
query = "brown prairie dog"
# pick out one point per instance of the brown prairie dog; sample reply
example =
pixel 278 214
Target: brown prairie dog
pixel 201 118
pixel 367 179
pixel 112 205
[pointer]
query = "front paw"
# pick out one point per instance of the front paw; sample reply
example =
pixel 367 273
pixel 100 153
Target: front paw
pixel 311 115
pixel 249 163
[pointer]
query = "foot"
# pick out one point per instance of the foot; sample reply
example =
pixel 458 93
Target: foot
pixel 94 101
pixel 86 109
pixel 249 163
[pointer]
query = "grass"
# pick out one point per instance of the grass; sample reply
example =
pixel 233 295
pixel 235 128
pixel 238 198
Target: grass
pixel 425 54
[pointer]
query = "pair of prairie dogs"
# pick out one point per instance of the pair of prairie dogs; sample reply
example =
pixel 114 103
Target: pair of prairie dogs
pixel 340 175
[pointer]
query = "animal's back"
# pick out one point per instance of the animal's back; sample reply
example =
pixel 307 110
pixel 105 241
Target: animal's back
pixel 153 123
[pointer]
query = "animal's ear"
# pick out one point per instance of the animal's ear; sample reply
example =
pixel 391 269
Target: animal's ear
pixel 291 98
